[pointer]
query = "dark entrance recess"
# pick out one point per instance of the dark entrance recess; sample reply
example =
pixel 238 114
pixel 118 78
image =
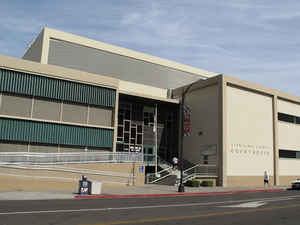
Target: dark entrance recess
pixel 135 126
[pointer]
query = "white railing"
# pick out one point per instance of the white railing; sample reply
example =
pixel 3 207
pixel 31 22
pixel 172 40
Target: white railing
pixel 154 177
pixel 197 171
pixel 72 157
pixel 200 170
pixel 165 172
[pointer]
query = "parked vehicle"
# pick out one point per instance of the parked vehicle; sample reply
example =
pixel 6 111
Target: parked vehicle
pixel 296 184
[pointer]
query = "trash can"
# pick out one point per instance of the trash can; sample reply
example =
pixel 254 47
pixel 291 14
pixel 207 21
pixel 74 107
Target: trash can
pixel 96 188
pixel 84 187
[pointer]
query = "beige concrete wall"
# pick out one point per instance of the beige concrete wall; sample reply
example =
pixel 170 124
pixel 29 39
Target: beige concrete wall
pixel 286 180
pixel 252 133
pixel 130 168
pixel 249 133
pixel 59 35
pixel 289 167
pixel 204 122
pixel 288 107
pixel 289 134
pixel 34 52
pixel 247 181
pixel 288 139
pixel 41 180
pixel 141 89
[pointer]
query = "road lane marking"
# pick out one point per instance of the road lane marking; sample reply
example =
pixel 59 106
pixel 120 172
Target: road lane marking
pixel 255 204
pixel 163 219
pixel 246 205
pixel 284 198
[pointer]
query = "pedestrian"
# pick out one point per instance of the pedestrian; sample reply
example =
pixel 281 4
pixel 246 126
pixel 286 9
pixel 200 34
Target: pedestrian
pixel 175 162
pixel 266 178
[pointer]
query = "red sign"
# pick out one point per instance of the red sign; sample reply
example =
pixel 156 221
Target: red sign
pixel 187 121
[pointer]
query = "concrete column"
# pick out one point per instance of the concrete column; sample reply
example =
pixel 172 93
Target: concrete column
pixel 45 46
pixel 275 141
pixel 115 125
pixel 222 146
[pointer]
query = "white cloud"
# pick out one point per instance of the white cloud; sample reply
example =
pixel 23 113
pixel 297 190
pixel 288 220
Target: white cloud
pixel 254 40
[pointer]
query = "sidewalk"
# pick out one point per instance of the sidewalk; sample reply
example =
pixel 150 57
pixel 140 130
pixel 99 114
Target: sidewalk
pixel 153 190
pixel 149 190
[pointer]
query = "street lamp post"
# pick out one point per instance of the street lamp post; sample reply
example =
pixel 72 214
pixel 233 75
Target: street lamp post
pixel 181 185
pixel 183 93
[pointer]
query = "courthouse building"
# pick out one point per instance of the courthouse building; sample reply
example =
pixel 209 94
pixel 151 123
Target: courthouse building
pixel 73 94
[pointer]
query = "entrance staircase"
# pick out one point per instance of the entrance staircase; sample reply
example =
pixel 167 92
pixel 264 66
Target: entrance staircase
pixel 169 176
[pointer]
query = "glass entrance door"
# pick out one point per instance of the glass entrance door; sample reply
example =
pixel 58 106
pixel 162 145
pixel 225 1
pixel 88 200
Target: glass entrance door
pixel 149 155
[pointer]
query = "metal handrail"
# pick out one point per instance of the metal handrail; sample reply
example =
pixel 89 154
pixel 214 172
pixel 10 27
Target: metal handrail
pixel 197 165
pixel 197 171
pixel 154 177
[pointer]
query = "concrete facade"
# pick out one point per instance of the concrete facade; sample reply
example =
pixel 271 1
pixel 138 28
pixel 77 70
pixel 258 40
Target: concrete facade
pixel 252 135
pixel 205 125
pixel 120 63
pixel 243 128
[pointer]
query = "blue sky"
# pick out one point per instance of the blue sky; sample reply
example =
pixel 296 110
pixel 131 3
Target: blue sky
pixel 253 40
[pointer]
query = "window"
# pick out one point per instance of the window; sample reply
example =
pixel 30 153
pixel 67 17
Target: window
pixel 140 128
pixel 126 138
pixel 119 147
pixel 146 118
pixel 205 159
pixel 289 154
pixel 286 118
pixel 139 139
pixel 120 131
pixel 127 126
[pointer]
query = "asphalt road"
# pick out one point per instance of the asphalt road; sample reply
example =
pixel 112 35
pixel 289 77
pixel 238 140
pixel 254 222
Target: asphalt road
pixel 276 208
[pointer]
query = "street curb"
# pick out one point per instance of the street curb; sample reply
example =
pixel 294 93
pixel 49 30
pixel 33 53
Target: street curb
pixel 104 196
